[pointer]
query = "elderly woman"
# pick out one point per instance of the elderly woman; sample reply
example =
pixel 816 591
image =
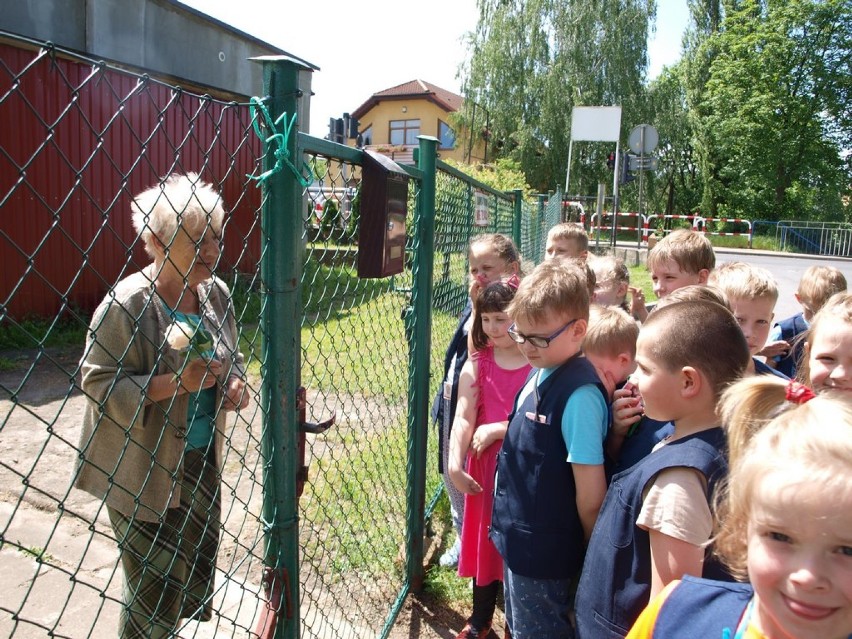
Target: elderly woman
pixel 153 428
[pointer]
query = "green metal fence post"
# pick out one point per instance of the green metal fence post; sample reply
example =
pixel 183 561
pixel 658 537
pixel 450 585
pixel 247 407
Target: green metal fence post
pixel 420 360
pixel 285 81
pixel 516 222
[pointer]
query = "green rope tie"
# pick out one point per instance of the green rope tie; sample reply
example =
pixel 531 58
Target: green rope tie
pixel 282 154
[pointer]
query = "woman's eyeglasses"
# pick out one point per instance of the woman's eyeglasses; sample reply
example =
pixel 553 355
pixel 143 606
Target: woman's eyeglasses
pixel 537 340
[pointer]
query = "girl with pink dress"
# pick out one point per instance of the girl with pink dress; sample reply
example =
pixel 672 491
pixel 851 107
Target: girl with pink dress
pixel 488 384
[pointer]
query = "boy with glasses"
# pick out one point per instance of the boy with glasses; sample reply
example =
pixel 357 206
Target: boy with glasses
pixel 550 475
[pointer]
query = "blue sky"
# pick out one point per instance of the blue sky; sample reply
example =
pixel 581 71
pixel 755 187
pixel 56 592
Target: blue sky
pixel 418 40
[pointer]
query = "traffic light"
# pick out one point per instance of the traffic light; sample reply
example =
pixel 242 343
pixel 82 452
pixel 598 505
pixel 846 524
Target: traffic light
pixel 610 161
pixel 625 175
pixel 352 126
pixel 339 129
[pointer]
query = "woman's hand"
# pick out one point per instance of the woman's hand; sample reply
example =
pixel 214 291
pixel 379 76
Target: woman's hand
pixel 236 394
pixel 198 374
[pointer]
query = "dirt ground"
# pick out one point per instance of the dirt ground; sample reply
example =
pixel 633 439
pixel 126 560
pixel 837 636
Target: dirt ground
pixel 424 617
pixel 56 563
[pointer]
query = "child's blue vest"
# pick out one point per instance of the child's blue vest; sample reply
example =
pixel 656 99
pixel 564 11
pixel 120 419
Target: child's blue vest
pixel 535 524
pixel 792 327
pixel 702 608
pixel 637 446
pixel 762 369
pixel 616 582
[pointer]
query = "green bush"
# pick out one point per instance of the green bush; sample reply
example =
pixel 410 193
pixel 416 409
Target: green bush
pixel 330 223
pixel 354 219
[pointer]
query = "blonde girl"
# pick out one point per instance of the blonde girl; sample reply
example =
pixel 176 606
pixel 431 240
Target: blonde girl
pixel 491 257
pixel 827 362
pixel 786 524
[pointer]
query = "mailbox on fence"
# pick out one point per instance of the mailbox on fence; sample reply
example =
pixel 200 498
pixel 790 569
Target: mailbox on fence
pixel 384 205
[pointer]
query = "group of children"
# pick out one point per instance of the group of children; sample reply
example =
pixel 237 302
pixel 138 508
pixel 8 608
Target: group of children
pixel 611 477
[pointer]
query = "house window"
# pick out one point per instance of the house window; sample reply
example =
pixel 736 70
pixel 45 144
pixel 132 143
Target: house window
pixel 367 136
pixel 404 131
pixel 446 136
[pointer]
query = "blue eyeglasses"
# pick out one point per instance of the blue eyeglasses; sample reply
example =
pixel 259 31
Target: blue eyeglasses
pixel 537 340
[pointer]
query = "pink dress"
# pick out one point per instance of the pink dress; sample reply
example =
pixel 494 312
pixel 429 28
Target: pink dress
pixel 497 389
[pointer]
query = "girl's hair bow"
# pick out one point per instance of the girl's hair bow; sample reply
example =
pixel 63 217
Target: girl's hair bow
pixel 513 281
pixel 798 393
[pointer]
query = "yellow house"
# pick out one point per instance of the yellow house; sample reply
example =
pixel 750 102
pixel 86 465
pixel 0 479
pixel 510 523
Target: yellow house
pixel 391 120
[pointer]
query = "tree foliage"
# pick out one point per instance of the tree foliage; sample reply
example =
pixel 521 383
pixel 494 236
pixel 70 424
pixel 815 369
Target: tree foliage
pixel 676 188
pixel 754 121
pixel 774 114
pixel 503 175
pixel 533 60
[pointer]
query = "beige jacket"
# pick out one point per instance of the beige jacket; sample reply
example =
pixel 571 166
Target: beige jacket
pixel 131 449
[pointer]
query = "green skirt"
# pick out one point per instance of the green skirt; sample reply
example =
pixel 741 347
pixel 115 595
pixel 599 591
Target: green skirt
pixel 169 566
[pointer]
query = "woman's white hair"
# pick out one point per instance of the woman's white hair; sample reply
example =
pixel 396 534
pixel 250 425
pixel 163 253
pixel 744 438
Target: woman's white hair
pixel 180 200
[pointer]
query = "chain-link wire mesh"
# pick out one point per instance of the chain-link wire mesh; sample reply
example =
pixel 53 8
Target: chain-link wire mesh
pixel 354 365
pixel 80 140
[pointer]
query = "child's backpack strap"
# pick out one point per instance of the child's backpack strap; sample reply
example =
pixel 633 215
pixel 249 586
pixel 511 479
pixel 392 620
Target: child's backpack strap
pixel 703 606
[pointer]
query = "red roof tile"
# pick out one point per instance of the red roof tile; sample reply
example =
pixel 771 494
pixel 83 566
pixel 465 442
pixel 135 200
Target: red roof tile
pixel 414 89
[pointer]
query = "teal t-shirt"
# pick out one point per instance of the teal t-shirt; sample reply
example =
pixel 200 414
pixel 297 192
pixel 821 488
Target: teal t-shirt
pixel 201 416
pixel 585 420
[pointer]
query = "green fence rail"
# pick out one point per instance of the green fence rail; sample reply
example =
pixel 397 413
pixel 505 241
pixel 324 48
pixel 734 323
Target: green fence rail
pixel 329 474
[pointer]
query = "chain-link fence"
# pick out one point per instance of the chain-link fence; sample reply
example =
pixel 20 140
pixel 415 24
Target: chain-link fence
pixel 324 492
pixel 79 140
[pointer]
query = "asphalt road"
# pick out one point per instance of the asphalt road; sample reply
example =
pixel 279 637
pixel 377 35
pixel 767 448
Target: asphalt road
pixel 787 269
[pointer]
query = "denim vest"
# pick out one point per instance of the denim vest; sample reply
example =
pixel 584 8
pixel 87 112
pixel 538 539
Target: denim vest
pixel 705 608
pixel 762 369
pixel 535 524
pixel 637 446
pixel 616 581
pixel 792 327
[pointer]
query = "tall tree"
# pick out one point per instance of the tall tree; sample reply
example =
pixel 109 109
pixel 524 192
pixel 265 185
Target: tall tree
pixel 533 60
pixel 676 187
pixel 699 52
pixel 774 121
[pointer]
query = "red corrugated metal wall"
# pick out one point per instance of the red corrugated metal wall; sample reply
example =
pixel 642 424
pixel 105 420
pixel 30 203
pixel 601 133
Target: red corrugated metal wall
pixel 76 141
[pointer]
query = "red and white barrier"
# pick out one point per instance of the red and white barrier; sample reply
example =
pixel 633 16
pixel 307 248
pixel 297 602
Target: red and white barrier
pixel 698 222
pixel 641 223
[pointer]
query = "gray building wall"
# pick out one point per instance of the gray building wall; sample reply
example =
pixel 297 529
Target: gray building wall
pixel 162 36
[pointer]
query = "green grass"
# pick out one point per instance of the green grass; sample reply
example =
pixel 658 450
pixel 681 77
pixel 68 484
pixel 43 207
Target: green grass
pixel 39 554
pixel 640 277
pixel 353 508
pixel 759 242
pixel 361 349
pixel 42 333
pixel 355 505
pixel 444 584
